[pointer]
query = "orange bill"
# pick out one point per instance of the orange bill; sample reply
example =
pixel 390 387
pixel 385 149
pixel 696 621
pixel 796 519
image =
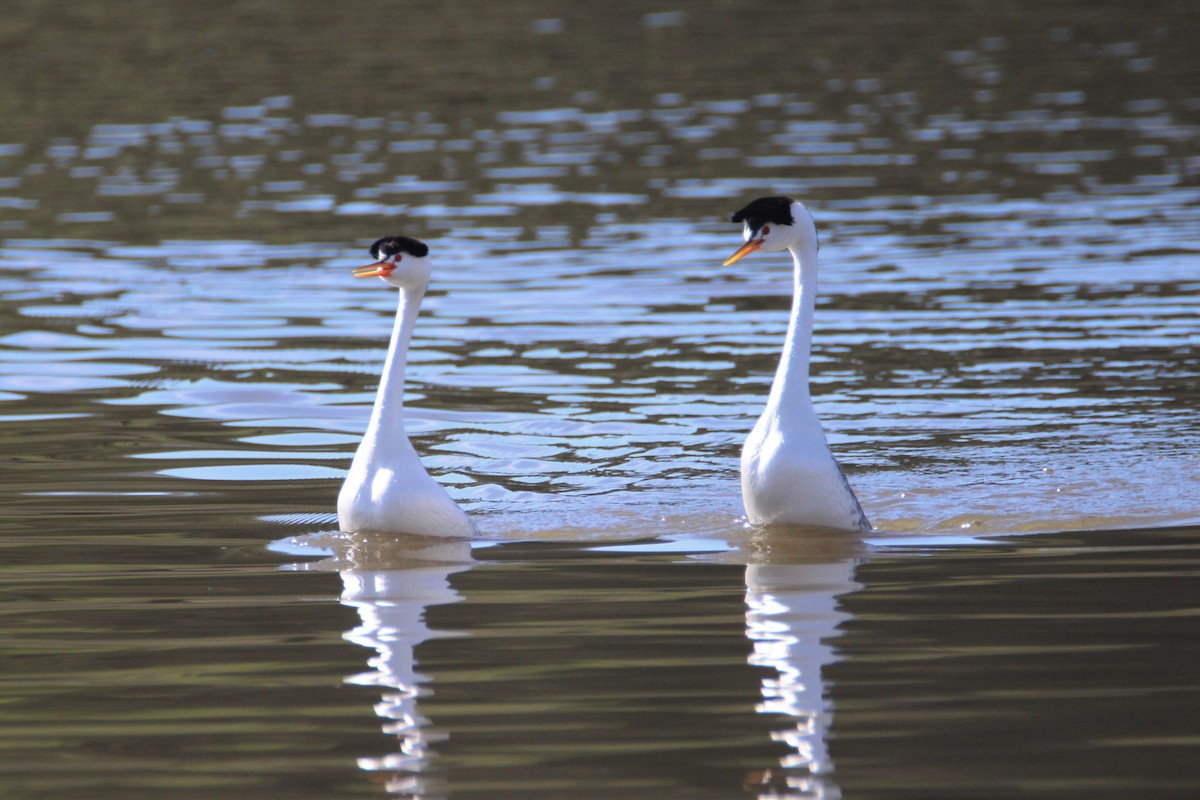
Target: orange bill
pixel 743 251
pixel 379 268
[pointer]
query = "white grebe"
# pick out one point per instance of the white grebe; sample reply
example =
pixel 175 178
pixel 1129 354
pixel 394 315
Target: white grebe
pixel 789 476
pixel 387 488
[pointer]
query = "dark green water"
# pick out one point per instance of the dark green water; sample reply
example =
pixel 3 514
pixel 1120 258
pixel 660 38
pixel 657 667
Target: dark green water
pixel 1005 360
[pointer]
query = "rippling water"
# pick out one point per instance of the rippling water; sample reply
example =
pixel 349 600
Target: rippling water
pixel 1005 345
pixel 991 371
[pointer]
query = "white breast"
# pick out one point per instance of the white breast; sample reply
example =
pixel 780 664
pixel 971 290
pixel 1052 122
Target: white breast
pixel 397 494
pixel 789 476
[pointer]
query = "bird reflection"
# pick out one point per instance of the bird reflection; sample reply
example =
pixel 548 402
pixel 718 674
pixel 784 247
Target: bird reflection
pixel 391 580
pixel 793 582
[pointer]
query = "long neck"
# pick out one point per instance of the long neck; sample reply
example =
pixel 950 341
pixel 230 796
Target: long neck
pixel 790 388
pixel 387 418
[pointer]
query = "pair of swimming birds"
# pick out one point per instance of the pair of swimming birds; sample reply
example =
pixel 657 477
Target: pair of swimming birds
pixel 789 475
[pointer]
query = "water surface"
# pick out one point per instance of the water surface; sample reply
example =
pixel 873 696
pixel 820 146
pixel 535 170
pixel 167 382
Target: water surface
pixel 1005 362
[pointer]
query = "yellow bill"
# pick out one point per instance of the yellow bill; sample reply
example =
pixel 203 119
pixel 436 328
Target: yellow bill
pixel 743 251
pixel 378 269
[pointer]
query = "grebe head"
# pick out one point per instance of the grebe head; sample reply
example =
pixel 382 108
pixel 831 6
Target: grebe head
pixel 772 224
pixel 399 261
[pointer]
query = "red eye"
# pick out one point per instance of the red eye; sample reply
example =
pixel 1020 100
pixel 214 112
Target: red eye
pixel 766 229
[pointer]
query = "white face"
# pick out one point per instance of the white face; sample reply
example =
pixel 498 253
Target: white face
pixel 408 271
pixel 775 237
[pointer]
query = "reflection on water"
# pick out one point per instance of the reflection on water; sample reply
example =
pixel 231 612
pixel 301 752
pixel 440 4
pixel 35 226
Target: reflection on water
pixel 792 615
pixel 1006 343
pixel 821 668
pixel 391 582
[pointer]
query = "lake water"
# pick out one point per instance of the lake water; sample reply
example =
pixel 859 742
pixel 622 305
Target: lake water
pixel 1005 361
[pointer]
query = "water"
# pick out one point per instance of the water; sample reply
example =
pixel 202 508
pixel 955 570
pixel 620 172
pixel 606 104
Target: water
pixel 1005 362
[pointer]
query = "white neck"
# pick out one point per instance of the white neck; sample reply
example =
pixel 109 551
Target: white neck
pixel 387 417
pixel 790 387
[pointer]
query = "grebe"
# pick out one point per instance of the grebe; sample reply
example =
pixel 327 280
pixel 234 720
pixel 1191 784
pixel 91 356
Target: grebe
pixel 387 488
pixel 789 475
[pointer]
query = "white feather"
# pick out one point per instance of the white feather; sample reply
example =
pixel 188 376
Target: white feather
pixel 789 475
pixel 387 488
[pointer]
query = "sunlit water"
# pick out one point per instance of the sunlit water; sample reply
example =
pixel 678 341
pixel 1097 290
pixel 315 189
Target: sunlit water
pixel 1005 362
pixel 992 372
